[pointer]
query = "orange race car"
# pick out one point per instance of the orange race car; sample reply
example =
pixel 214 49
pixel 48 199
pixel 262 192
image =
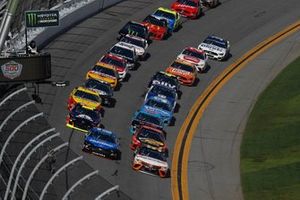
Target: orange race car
pixel 185 71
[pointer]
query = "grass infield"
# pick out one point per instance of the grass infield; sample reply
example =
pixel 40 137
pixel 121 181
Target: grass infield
pixel 270 151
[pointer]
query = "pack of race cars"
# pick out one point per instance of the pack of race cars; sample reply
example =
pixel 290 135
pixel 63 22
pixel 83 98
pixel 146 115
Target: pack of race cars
pixel 85 103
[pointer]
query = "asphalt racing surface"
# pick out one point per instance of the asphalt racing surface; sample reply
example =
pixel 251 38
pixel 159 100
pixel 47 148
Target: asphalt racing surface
pixel 243 23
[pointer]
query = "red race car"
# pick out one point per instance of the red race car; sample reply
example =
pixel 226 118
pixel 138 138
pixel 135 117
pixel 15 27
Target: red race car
pixel 188 8
pixel 157 27
pixel 119 62
pixel 150 137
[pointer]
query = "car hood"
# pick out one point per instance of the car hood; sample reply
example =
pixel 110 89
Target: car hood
pixel 154 110
pixel 212 47
pixel 191 59
pixel 151 161
pixel 101 144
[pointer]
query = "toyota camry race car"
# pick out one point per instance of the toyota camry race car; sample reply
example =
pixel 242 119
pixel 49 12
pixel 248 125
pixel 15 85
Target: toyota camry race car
pixel 172 17
pixel 103 143
pixel 195 56
pixel 102 88
pixel 138 43
pixel 117 61
pixel 215 47
pixel 134 28
pixel 150 137
pixel 158 28
pixel 165 79
pixel 144 118
pixel 104 72
pixel 188 8
pixel 85 97
pixel 127 52
pixel 185 71
pixel 150 161
pixel 83 118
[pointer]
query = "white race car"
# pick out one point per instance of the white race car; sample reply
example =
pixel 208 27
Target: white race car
pixel 127 52
pixel 194 56
pixel 138 43
pixel 215 47
pixel 150 161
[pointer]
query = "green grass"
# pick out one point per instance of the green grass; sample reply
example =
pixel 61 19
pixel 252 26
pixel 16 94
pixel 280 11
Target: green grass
pixel 270 151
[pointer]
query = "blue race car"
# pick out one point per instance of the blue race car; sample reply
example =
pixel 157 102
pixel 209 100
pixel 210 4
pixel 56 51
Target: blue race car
pixel 162 92
pixel 171 16
pixel 103 143
pixel 159 105
pixel 83 118
pixel 154 120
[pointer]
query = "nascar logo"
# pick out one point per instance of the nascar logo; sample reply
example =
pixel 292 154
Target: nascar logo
pixel 11 69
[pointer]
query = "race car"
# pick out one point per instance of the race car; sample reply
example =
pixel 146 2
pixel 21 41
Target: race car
pixel 125 51
pixel 195 56
pixel 117 61
pixel 215 47
pixel 172 17
pixel 188 8
pixel 210 3
pixel 85 97
pixel 82 118
pixel 162 92
pixel 102 142
pixel 159 105
pixel 150 161
pixel 165 79
pixel 102 88
pixel 134 28
pixel 185 71
pixel 144 118
pixel 150 137
pixel 158 28
pixel 104 72
pixel 138 43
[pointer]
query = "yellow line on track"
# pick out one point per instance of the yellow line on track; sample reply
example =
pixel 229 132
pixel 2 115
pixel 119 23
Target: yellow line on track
pixel 179 172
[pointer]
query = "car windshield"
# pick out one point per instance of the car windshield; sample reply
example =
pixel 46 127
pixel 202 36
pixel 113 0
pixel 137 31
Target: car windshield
pixel 164 14
pixel 101 136
pixel 122 51
pixel 83 111
pixel 215 42
pixel 133 41
pixel 145 134
pixel 148 118
pixel 104 70
pixel 193 53
pixel 159 105
pixel 94 84
pixel 182 66
pixel 158 22
pixel 152 153
pixel 187 2
pixel 86 95
pixel 135 29
pixel 164 91
pixel 111 61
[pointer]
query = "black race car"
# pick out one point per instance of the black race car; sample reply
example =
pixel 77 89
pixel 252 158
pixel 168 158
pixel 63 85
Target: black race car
pixel 165 79
pixel 135 29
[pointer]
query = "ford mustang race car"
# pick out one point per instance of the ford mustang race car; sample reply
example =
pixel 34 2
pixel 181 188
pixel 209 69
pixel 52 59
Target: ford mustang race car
pixel 188 8
pixel 210 3
pixel 144 118
pixel 162 92
pixel 102 88
pixel 165 79
pixel 138 43
pixel 85 97
pixel 185 71
pixel 215 47
pixel 117 61
pixel 125 51
pixel 104 72
pixel 195 56
pixel 134 28
pixel 103 143
pixel 150 137
pixel 171 16
pixel 83 118
pixel 150 161
pixel 159 105
pixel 158 28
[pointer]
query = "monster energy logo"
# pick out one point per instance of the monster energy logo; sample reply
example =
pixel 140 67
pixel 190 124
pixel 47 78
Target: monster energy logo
pixel 31 19
pixel 42 18
pixel 132 32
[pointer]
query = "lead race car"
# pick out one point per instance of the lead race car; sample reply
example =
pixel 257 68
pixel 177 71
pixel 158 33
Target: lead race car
pixel 194 56
pixel 171 16
pixel 215 47
pixel 188 8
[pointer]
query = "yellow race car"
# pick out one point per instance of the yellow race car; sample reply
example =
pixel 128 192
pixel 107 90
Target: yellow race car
pixel 85 97
pixel 171 16
pixel 104 72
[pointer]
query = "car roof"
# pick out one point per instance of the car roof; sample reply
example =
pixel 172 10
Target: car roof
pixel 125 46
pixel 115 57
pixel 135 37
pixel 105 65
